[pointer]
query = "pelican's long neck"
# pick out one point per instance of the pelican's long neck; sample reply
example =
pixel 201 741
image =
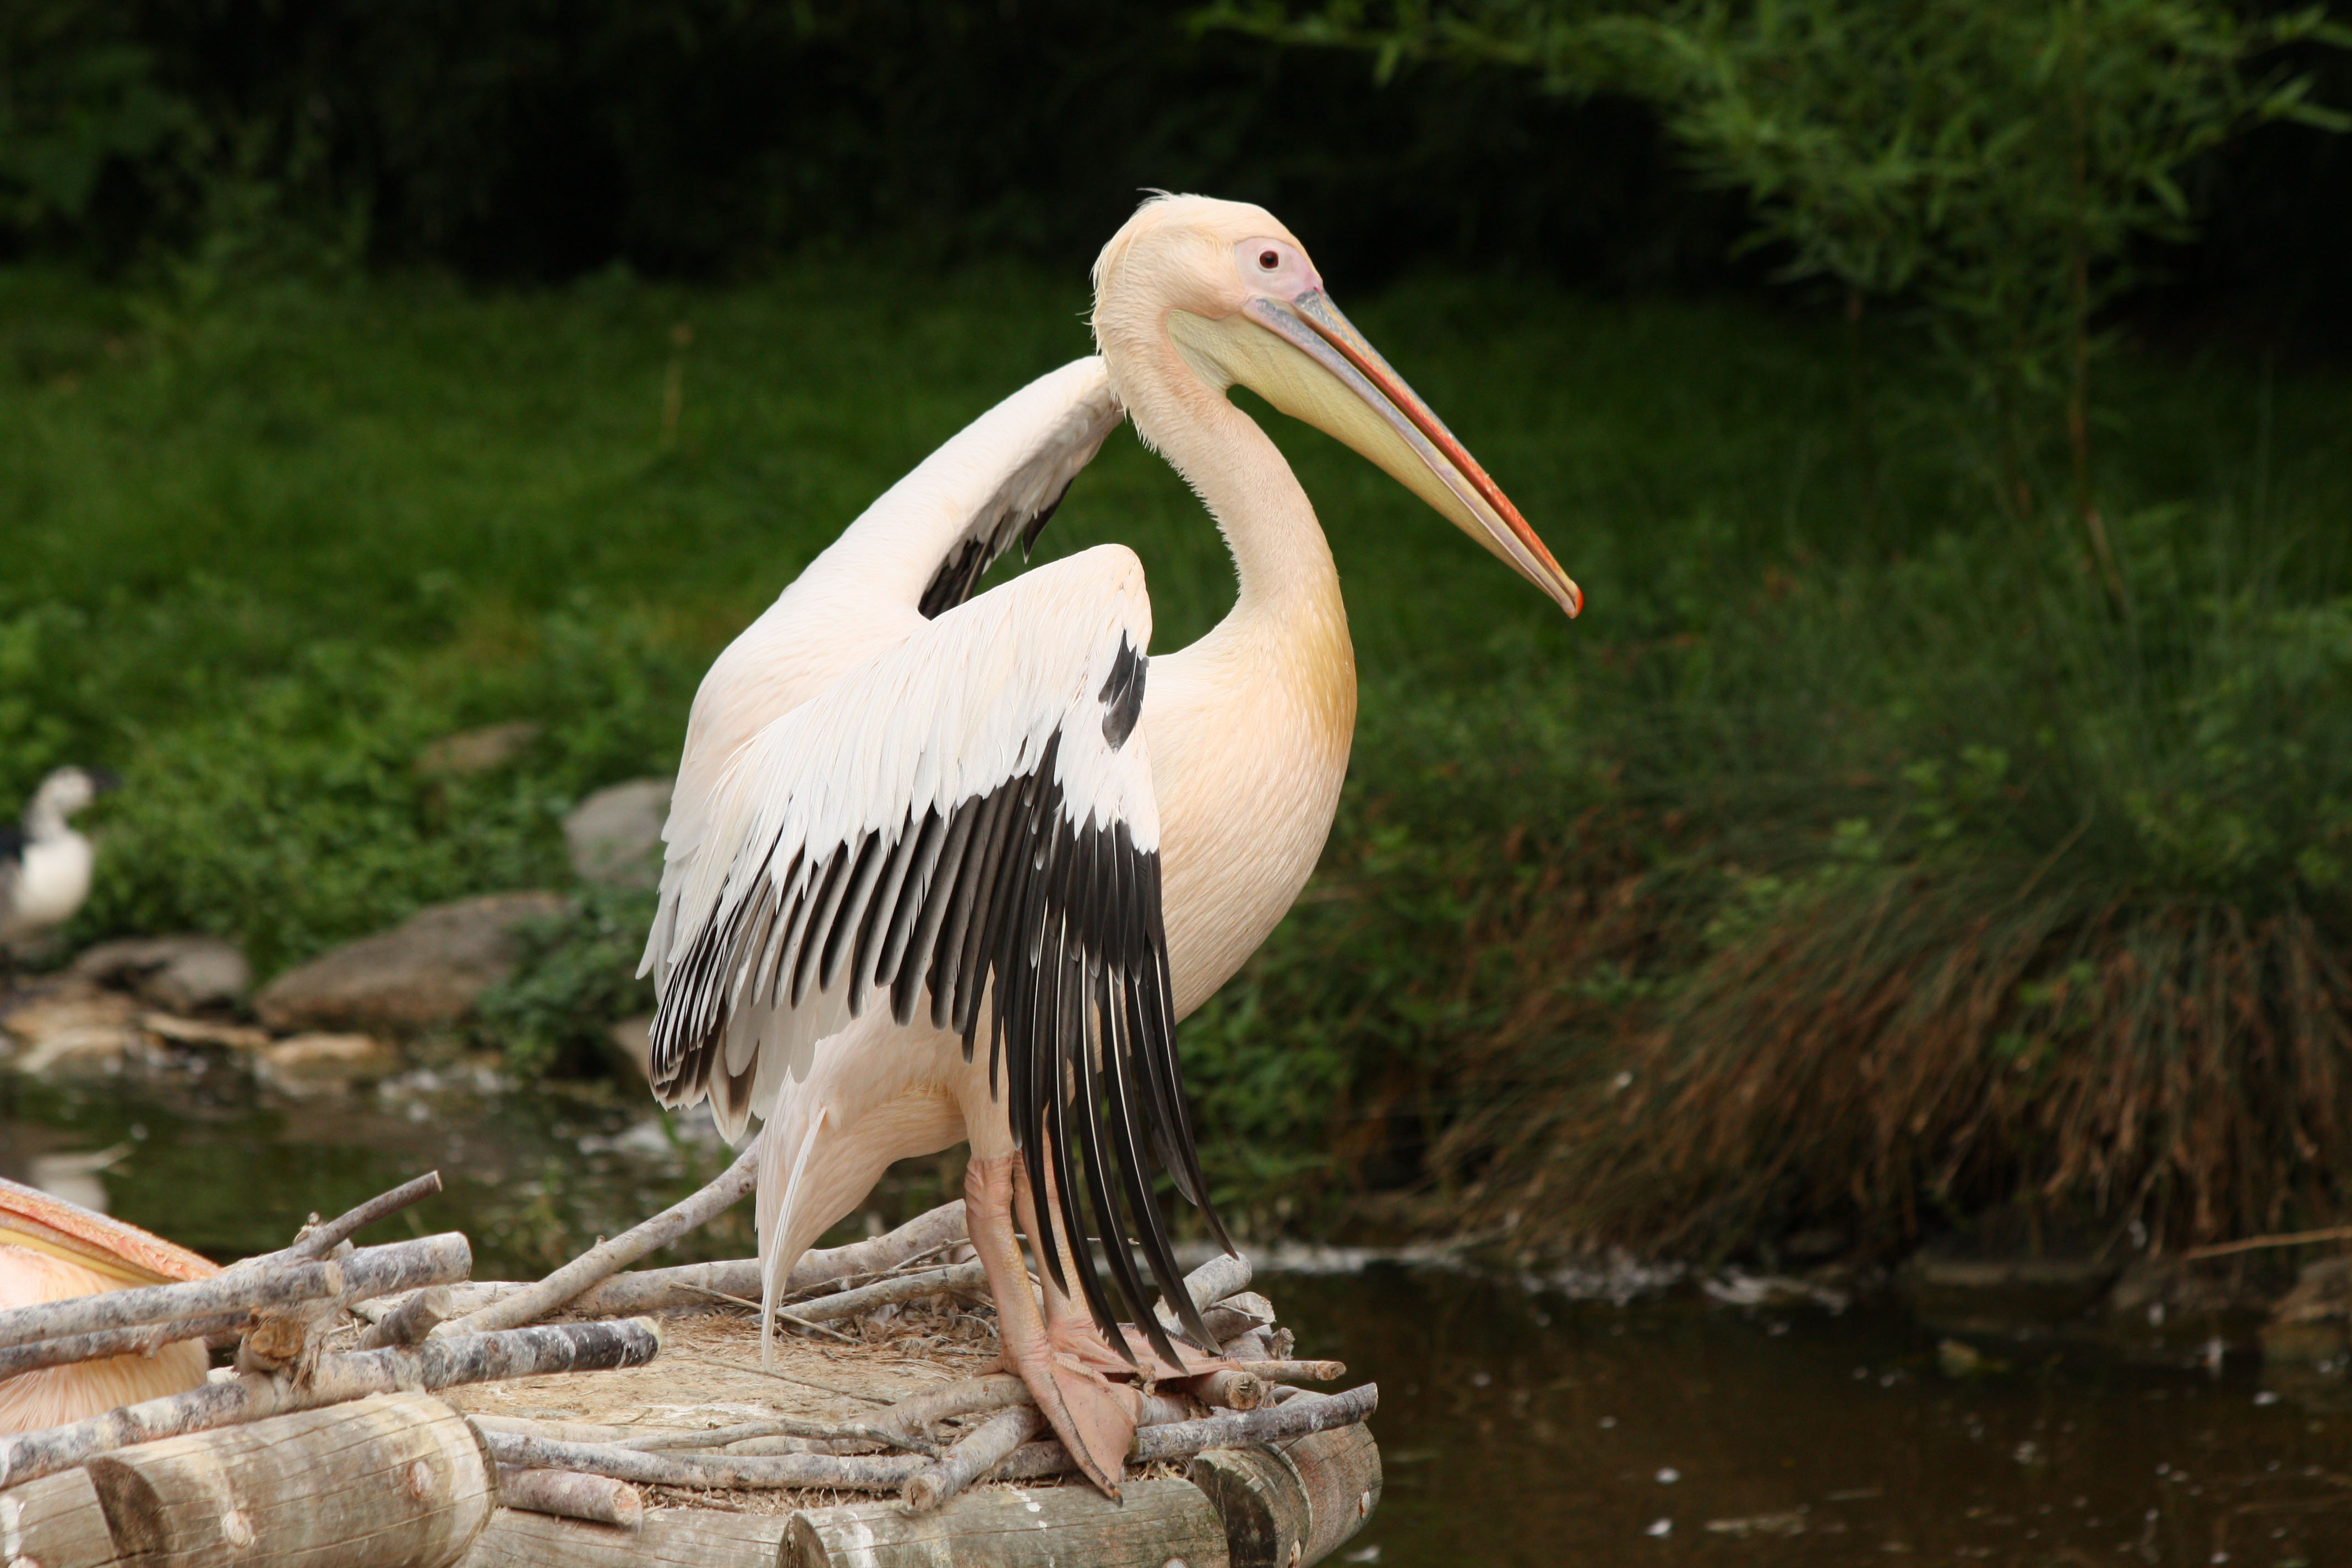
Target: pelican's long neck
pixel 1289 585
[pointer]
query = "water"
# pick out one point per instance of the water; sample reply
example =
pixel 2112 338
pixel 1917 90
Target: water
pixel 1518 1426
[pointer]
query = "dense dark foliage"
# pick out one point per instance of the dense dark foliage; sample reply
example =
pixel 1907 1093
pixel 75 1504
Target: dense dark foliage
pixel 542 138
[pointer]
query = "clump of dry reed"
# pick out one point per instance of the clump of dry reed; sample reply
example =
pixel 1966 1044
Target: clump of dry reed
pixel 1899 1050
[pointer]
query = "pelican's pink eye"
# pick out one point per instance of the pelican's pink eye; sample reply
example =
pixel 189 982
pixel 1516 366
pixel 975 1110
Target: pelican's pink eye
pixel 1269 259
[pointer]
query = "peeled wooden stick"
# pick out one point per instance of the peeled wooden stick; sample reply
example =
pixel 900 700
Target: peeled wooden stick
pixel 892 1472
pixel 915 1415
pixel 1296 1370
pixel 320 1240
pixel 438 1363
pixel 840 1472
pixel 370 1271
pixel 606 1257
pixel 142 1339
pixel 1180 1439
pixel 692 1284
pixel 411 1322
pixel 883 1292
pixel 973 1458
pixel 781 1426
pixel 600 1500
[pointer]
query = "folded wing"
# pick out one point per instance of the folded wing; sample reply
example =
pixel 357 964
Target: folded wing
pixel 962 827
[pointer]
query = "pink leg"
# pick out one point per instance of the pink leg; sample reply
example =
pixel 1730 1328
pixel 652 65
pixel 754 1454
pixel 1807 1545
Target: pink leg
pixel 1093 1417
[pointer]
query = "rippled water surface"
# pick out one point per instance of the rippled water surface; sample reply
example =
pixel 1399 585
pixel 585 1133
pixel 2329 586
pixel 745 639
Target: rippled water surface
pixel 1517 1426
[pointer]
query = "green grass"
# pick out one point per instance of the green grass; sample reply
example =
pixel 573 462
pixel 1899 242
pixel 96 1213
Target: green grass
pixel 260 550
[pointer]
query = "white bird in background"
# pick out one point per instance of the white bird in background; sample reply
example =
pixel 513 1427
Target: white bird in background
pixel 907 826
pixel 44 865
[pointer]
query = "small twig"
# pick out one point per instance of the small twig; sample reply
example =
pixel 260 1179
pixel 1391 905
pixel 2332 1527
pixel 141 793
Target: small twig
pixel 780 1427
pixel 606 1258
pixel 143 1339
pixel 2255 1243
pixel 781 1313
pixel 966 1396
pixel 410 1323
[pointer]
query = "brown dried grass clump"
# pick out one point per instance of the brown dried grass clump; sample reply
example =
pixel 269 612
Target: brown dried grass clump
pixel 1896 1052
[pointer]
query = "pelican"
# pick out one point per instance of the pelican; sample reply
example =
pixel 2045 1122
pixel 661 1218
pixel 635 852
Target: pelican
pixel 51 1249
pixel 946 868
pixel 44 865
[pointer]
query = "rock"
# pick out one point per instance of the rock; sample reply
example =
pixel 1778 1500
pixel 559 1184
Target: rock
pixel 2311 1324
pixel 175 973
pixel 478 750
pixel 75 1029
pixel 311 1064
pixel 421 975
pixel 203 1032
pixel 616 834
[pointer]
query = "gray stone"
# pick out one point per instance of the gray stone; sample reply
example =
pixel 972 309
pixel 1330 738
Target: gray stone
pixel 175 973
pixel 420 975
pixel 616 834
pixel 312 1064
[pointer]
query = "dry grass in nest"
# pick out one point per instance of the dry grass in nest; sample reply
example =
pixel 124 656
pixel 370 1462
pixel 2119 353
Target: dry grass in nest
pixel 1895 1052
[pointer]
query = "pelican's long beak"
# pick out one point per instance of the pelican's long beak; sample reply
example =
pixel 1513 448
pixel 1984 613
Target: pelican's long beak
pixel 1386 421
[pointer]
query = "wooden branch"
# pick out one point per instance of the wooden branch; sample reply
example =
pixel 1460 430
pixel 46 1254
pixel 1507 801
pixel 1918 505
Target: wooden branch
pixel 693 1284
pixel 411 1322
pixel 396 1482
pixel 320 1240
pixel 913 1415
pixel 370 1271
pixel 437 1364
pixel 883 1292
pixel 1240 1389
pixel 142 1339
pixel 973 1458
pixel 892 1472
pixel 1180 1439
pixel 780 1427
pixel 840 1472
pixel 606 1257
pixel 571 1494
pixel 1223 1274
pixel 1298 1370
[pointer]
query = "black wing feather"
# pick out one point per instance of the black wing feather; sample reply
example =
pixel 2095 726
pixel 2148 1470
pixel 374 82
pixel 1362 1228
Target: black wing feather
pixel 969 557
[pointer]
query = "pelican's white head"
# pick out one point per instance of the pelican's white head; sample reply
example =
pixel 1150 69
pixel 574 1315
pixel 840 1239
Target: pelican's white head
pixel 1229 292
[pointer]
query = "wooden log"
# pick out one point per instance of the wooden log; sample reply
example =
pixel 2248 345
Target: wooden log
pixel 973 1458
pixel 412 1321
pixel 55 1522
pixel 1292 1504
pixel 391 1481
pixel 372 1271
pixel 607 1258
pixel 437 1364
pixel 600 1500
pixel 1237 1315
pixel 666 1538
pixel 1241 1389
pixel 1155 1522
